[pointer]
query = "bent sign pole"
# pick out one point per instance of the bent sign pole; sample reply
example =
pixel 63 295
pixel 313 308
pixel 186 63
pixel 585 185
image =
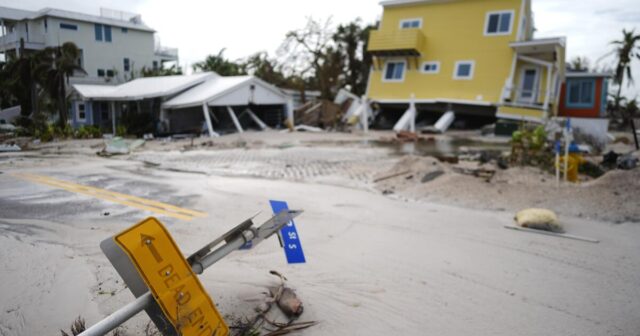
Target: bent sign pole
pixel 289 234
pixel 165 284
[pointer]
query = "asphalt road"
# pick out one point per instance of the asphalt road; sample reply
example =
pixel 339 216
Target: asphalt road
pixel 376 265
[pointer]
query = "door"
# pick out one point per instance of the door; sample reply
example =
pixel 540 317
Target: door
pixel 528 90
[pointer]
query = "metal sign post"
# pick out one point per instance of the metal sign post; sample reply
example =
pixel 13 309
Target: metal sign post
pixel 165 284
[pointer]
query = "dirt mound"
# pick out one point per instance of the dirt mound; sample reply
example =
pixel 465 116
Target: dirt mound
pixel 409 172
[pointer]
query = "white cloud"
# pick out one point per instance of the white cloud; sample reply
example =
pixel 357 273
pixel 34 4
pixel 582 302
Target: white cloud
pixel 199 28
pixel 590 26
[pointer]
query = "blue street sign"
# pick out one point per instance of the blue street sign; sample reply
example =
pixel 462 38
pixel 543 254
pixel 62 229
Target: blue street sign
pixel 289 234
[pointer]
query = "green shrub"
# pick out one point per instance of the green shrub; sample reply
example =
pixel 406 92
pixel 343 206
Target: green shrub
pixel 63 132
pixel 121 130
pixel 95 132
pixel 45 133
pixel 88 132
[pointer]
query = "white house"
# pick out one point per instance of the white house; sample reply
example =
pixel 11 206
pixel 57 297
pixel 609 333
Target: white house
pixel 114 45
pixel 185 103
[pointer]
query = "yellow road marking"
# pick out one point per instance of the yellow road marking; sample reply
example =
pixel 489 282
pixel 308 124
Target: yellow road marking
pixel 112 196
pixel 153 203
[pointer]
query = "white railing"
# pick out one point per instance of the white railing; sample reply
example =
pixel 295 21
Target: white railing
pixel 12 39
pixel 167 52
pixel 525 98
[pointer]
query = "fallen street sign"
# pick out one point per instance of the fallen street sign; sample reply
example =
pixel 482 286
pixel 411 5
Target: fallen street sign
pixel 154 262
pixel 289 235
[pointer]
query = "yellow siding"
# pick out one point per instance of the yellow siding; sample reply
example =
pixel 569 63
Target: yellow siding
pixel 454 31
pixel 520 112
pixel 394 40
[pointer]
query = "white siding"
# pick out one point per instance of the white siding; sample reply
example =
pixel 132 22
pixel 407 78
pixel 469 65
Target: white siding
pixel 136 45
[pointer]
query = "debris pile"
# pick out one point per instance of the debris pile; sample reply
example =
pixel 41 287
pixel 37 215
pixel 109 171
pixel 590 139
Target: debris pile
pixel 323 114
pixel 271 322
pixel 120 146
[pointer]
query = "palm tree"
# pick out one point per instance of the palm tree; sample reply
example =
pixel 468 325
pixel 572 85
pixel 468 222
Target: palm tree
pixel 219 64
pixel 149 72
pixel 579 64
pixel 56 65
pixel 625 51
pixel 21 82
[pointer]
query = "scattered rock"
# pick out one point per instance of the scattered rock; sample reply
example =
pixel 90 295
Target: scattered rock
pixel 428 177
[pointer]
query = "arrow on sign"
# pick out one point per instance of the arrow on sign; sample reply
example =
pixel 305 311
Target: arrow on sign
pixel 148 242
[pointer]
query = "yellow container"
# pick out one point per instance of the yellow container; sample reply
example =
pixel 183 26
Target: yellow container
pixel 573 163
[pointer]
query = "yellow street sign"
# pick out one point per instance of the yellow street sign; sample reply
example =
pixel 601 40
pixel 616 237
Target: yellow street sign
pixel 174 285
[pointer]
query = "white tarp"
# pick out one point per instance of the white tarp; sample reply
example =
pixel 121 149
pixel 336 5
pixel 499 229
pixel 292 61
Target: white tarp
pixel 229 91
pixel 143 88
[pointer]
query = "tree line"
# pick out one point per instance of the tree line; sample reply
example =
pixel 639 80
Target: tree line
pixel 315 57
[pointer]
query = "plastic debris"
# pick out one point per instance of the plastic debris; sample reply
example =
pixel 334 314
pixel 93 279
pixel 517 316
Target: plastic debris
pixel 120 146
pixel 627 162
pixel 10 148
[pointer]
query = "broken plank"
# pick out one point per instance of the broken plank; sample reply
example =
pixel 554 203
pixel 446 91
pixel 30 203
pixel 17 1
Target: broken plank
pixel 549 233
pixel 391 176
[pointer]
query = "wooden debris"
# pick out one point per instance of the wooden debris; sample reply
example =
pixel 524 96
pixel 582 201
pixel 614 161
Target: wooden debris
pixel 406 136
pixel 549 233
pixel 379 179
pixel 486 174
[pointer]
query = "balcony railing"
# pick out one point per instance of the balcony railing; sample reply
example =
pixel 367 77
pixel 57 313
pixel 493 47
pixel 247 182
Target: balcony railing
pixel 12 40
pixel 167 54
pixel 406 42
pixel 526 98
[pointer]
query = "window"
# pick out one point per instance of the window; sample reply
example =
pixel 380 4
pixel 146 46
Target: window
pixel 46 26
pixel 124 30
pixel 431 67
pixel 107 33
pixel 100 72
pixel 81 113
pixel 411 23
pixel 463 70
pixel 499 23
pixel 103 32
pixel 127 65
pixel 580 93
pixel 68 26
pixel 80 59
pixel 98 30
pixel 110 73
pixel 394 71
pixel 155 65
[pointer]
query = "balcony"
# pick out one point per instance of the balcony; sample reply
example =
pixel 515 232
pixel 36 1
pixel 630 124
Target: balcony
pixel 167 54
pixel 407 42
pixel 12 41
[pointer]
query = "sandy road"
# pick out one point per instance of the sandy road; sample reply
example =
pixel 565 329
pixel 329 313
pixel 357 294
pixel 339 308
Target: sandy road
pixel 376 265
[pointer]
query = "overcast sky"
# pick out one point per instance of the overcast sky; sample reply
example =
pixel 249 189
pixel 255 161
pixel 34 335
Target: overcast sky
pixel 243 27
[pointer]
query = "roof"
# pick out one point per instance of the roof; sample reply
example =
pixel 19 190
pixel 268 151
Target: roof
pixel 540 42
pixel 217 88
pixel 586 74
pixel 391 3
pixel 143 88
pixel 292 92
pixel 15 14
pixel 18 15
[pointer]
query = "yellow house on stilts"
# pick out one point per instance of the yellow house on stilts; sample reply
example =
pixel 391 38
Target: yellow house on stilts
pixel 477 58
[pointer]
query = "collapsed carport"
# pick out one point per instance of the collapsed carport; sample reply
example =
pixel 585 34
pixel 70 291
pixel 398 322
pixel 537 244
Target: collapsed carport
pixel 227 103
